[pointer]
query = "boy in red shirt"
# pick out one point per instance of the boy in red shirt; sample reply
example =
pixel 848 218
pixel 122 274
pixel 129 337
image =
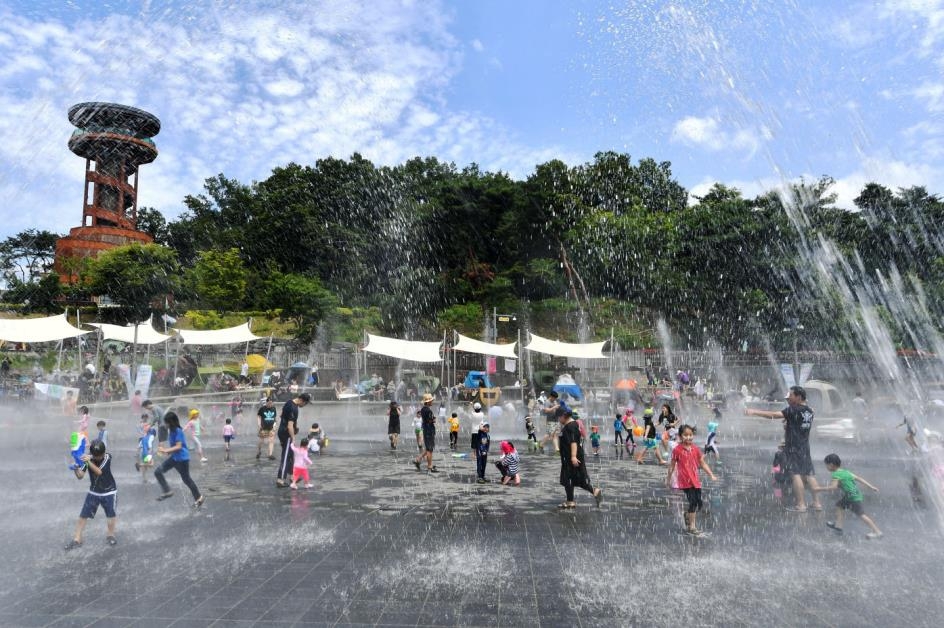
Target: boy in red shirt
pixel 686 459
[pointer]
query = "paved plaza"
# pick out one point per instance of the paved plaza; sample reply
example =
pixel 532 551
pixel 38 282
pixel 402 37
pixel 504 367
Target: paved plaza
pixel 377 543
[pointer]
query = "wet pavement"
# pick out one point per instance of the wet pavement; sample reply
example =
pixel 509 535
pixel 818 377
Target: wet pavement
pixel 377 543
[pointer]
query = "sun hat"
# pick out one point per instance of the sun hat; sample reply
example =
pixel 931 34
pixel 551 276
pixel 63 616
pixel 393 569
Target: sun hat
pixel 427 398
pixel 194 412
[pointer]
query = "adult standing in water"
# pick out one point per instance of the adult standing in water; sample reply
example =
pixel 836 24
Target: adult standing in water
pixel 429 435
pixel 179 459
pixel 266 422
pixel 573 472
pixel 798 464
pixel 393 423
pixel 288 428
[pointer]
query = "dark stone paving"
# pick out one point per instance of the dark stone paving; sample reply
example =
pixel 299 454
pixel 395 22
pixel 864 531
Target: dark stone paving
pixel 376 543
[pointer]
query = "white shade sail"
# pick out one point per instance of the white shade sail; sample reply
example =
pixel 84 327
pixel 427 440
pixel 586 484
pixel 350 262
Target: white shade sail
pixel 471 345
pixel 566 349
pixel 412 350
pixel 38 329
pixel 228 336
pixel 146 334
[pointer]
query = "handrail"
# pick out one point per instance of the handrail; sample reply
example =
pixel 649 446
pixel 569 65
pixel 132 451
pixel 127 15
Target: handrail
pixel 115 131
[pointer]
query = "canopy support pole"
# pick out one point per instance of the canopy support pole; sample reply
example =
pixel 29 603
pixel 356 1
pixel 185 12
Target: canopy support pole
pixel 442 367
pixel 166 341
pixel 612 360
pixel 78 341
pixel 265 367
pixel 520 369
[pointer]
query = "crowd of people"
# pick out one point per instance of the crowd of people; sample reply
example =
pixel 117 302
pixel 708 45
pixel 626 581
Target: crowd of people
pixel 662 434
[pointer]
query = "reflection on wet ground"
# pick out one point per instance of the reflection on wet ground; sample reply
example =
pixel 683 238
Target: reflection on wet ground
pixel 376 543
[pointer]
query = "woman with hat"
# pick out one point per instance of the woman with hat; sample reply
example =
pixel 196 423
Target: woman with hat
pixel 429 435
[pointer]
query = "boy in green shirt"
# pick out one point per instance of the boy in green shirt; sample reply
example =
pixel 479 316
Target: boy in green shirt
pixel 851 499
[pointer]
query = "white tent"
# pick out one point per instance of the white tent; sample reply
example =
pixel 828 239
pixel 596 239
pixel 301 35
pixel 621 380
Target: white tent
pixel 146 334
pixel 566 349
pixel 411 350
pixel 38 329
pixel 470 345
pixel 228 336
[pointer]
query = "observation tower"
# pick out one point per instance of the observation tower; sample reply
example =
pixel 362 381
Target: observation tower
pixel 115 141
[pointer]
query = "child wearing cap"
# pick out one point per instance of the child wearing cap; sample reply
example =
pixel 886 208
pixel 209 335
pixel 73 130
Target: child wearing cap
pixel 480 443
pixel 193 426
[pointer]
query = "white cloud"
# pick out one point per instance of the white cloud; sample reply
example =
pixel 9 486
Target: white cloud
pixel 239 91
pixel 926 20
pixel 931 95
pixel 708 133
pixel 477 45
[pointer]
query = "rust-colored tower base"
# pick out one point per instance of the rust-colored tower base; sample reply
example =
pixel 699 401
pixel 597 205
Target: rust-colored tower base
pixel 115 140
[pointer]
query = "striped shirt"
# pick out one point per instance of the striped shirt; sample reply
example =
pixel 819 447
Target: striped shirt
pixel 511 461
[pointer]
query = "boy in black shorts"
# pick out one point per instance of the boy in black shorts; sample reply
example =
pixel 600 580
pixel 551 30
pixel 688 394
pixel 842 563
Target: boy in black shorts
pixel 102 492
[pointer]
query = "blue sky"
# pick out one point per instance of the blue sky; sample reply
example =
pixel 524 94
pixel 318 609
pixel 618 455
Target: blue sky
pixel 746 93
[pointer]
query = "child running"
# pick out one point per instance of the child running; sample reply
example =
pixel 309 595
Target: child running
pixel 193 426
pixel 595 441
pixel 618 431
pixel 454 431
pixel 178 458
pixel 629 425
pixel 851 499
pixel 300 465
pixel 531 431
pixel 229 433
pixel 102 433
pixel 102 492
pixel 686 460
pixel 649 438
pixel 711 444
pixel 145 446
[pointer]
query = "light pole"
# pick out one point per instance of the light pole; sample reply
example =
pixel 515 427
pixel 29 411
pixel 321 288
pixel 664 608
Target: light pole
pixel 796 328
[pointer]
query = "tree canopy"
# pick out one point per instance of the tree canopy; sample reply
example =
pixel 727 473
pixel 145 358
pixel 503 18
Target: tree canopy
pixel 422 240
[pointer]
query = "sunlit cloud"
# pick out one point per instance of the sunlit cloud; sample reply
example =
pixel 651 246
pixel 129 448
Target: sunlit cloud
pixel 707 133
pixel 238 92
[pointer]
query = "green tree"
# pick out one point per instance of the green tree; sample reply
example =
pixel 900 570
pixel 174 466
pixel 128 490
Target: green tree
pixel 153 223
pixel 37 296
pixel 27 256
pixel 134 276
pixel 220 278
pixel 300 299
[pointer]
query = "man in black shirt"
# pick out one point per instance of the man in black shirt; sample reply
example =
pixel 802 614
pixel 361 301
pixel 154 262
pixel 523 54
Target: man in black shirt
pixel 288 428
pixel 429 435
pixel 798 464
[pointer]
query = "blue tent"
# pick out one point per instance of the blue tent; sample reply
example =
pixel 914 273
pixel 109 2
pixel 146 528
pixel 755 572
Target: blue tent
pixel 568 389
pixel 472 379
